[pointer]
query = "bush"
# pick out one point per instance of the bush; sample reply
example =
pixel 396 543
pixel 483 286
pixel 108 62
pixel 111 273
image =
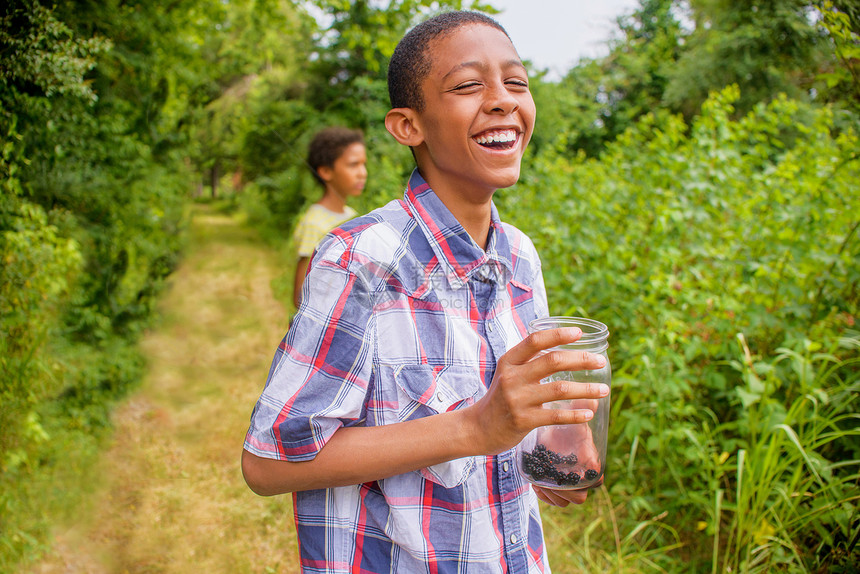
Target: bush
pixel 683 239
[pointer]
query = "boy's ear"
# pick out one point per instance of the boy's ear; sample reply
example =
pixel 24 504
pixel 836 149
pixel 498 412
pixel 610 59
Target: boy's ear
pixel 325 172
pixel 403 124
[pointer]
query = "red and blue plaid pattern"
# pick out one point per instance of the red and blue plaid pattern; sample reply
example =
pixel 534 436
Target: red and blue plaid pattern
pixel 404 316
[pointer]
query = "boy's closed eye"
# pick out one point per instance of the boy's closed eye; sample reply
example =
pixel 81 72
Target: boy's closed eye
pixel 466 86
pixel 473 85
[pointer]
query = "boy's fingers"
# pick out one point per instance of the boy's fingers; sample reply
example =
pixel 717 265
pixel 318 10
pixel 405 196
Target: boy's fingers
pixel 590 404
pixel 550 417
pixel 557 361
pixel 570 390
pixel 560 498
pixel 545 417
pixel 550 497
pixel 539 341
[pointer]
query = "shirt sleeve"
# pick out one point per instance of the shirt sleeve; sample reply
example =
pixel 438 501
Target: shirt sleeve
pixel 320 375
pixel 541 304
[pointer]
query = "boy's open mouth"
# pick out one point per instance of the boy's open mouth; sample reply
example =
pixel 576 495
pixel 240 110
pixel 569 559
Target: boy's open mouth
pixel 497 139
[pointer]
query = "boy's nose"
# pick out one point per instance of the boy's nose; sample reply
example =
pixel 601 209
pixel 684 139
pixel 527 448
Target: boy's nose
pixel 500 100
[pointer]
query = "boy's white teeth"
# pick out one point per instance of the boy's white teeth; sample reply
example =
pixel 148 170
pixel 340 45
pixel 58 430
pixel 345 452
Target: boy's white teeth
pixel 499 136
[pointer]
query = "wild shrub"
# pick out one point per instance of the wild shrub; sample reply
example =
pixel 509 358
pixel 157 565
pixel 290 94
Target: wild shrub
pixel 681 239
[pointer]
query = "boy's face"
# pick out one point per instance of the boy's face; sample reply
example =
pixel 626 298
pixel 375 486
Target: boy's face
pixel 478 116
pixel 348 174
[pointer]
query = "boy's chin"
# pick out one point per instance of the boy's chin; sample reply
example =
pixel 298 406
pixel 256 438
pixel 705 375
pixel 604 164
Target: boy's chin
pixel 509 179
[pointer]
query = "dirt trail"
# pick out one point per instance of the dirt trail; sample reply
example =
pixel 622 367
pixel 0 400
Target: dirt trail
pixel 173 498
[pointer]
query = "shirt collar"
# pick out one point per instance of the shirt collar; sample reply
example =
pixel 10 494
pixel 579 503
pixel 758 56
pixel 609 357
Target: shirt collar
pixel 458 255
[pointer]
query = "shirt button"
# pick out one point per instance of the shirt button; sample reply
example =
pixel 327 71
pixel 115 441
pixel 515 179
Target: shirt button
pixel 490 327
pixel 513 538
pixel 505 466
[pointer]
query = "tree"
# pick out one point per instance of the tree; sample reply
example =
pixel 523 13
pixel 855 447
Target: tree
pixel 764 47
pixel 352 50
pixel 249 41
pixel 842 74
pixel 603 97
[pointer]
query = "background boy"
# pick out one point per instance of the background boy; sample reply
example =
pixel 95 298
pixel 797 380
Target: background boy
pixel 407 377
pixel 338 160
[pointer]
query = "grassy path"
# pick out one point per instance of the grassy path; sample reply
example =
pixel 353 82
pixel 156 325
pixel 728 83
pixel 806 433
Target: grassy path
pixel 172 498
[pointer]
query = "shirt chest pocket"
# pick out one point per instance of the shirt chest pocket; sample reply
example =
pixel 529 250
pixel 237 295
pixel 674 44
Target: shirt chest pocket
pixel 413 391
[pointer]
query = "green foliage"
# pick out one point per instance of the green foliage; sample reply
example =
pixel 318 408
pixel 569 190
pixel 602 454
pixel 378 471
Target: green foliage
pixel 91 211
pixel 254 57
pixel 843 78
pixel 764 47
pixel 37 267
pixel 680 238
pixel 798 433
pixel 599 99
pixel 49 58
pixel 672 54
pixel 354 47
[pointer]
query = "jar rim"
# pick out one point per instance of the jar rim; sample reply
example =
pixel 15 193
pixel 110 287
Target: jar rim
pixel 592 330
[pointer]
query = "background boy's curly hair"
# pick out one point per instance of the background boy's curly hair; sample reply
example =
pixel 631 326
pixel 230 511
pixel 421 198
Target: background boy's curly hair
pixel 409 64
pixel 328 145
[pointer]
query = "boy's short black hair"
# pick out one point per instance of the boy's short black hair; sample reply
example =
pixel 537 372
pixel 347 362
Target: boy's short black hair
pixel 409 63
pixel 328 145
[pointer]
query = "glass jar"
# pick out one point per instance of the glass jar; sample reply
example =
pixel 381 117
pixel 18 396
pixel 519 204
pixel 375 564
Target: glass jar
pixel 569 457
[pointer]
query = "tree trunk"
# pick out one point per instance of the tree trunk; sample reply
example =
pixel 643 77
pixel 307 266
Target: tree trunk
pixel 214 176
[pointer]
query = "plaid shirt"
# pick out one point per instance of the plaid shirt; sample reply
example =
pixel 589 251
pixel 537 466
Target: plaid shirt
pixel 403 316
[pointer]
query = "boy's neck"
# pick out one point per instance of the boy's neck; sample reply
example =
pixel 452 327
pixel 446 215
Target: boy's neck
pixel 474 217
pixel 478 230
pixel 333 201
pixel 469 203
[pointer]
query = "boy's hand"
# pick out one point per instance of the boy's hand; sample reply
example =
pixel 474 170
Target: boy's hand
pixel 563 497
pixel 513 405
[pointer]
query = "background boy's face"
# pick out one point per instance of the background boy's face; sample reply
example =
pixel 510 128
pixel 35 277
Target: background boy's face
pixel 478 115
pixel 348 174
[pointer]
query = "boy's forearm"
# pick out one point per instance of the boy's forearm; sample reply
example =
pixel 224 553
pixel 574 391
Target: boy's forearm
pixel 356 455
pixel 512 407
pixel 298 279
